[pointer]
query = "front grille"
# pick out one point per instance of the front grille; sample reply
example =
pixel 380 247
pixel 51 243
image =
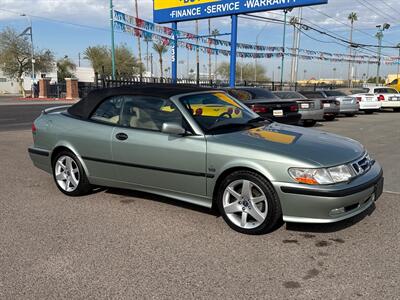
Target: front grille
pixel 363 165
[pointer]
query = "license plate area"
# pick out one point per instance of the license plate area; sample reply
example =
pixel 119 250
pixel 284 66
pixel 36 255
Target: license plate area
pixel 278 113
pixel 304 105
pixel 327 105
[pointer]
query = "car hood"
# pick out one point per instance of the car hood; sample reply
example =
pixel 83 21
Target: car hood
pixel 313 146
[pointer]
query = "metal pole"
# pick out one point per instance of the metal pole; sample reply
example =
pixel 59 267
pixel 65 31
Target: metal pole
pixel 284 46
pixel 32 60
pixel 209 54
pixel 379 35
pixel 234 27
pixel 398 66
pixel 197 54
pixel 112 39
pixel 139 43
pixel 298 45
pixel 350 71
pixel 174 57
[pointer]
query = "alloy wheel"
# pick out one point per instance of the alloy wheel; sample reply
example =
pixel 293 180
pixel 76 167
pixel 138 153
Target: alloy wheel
pixel 67 173
pixel 245 204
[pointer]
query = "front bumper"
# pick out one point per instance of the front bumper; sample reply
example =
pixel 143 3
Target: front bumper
pixel 329 204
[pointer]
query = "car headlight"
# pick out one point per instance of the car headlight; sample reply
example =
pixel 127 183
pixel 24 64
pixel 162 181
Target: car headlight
pixel 321 176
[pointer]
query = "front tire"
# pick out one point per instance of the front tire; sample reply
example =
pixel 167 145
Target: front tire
pixel 309 123
pixel 248 203
pixel 69 175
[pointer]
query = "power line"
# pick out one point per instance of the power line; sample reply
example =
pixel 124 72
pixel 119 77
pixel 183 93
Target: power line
pixel 376 10
pixel 391 7
pixel 345 24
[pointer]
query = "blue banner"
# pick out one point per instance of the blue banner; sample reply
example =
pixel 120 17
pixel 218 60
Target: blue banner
pixel 167 11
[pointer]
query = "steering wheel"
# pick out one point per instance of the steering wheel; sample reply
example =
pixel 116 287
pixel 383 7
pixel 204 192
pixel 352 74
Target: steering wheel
pixel 223 116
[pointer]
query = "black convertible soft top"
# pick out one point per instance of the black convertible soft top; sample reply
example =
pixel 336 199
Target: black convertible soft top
pixel 87 105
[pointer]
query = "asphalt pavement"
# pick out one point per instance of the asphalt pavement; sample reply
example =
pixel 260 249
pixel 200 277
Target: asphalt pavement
pixel 117 244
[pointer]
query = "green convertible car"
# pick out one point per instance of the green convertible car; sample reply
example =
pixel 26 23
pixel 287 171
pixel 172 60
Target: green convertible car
pixel 204 147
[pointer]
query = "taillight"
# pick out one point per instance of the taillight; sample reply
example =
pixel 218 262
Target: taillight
pixel 259 109
pixel 294 108
pixel 199 112
pixel 381 98
pixel 34 129
pixel 359 99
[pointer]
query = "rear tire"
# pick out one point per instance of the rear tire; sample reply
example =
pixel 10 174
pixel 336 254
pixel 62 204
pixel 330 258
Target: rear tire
pixel 368 112
pixel 248 203
pixel 397 109
pixel 350 115
pixel 69 175
pixel 309 123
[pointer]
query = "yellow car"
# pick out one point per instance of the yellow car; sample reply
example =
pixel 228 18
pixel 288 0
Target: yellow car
pixel 395 84
pixel 227 108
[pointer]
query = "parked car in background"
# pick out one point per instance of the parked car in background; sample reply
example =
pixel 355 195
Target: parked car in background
pixel 267 105
pixel 369 103
pixel 256 172
pixel 331 106
pixel 395 84
pixel 311 110
pixel 389 97
pixel 348 105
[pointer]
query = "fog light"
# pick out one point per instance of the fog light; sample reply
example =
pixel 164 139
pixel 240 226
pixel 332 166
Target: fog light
pixel 337 211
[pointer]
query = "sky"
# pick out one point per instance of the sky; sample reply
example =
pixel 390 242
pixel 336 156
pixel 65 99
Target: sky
pixel 68 27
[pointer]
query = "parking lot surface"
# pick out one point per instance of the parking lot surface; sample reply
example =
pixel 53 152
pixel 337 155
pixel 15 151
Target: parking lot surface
pixel 122 244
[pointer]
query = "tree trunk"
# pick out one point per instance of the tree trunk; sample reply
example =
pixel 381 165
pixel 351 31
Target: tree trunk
pixel 21 87
pixel 161 67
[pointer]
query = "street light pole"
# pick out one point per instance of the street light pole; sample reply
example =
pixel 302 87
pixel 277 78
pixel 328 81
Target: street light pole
pixel 255 59
pixel 398 65
pixel 32 54
pixel 284 44
pixel 379 36
pixel 112 39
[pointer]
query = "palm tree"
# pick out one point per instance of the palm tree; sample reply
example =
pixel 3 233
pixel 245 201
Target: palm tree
pixel 215 33
pixel 353 17
pixel 160 48
pixel 65 68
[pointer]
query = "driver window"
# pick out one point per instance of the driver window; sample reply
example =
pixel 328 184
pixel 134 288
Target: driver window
pixel 149 113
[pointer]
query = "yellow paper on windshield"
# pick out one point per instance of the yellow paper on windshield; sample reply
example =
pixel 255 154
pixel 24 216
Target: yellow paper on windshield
pixel 226 99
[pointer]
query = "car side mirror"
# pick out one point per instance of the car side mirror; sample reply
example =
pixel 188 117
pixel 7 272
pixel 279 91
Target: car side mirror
pixel 173 128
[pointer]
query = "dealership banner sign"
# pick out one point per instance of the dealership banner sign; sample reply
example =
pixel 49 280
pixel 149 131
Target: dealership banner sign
pixel 167 11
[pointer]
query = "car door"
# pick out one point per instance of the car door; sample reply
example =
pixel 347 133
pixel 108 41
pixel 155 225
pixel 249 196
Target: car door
pixel 92 138
pixel 145 156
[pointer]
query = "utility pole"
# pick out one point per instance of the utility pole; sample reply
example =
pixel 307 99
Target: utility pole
pixel 79 59
pixel 256 59
pixel 284 44
pixel 112 39
pixel 298 46
pixel 379 36
pixel 209 54
pixel 197 53
pixel 293 21
pixel 32 53
pixel 139 43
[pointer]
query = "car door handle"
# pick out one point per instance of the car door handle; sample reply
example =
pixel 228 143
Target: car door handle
pixel 121 136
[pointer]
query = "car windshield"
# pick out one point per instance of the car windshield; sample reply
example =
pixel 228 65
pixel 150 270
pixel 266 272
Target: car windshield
pixel 217 111
pixel 313 95
pixel 289 95
pixel 260 93
pixel 334 94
